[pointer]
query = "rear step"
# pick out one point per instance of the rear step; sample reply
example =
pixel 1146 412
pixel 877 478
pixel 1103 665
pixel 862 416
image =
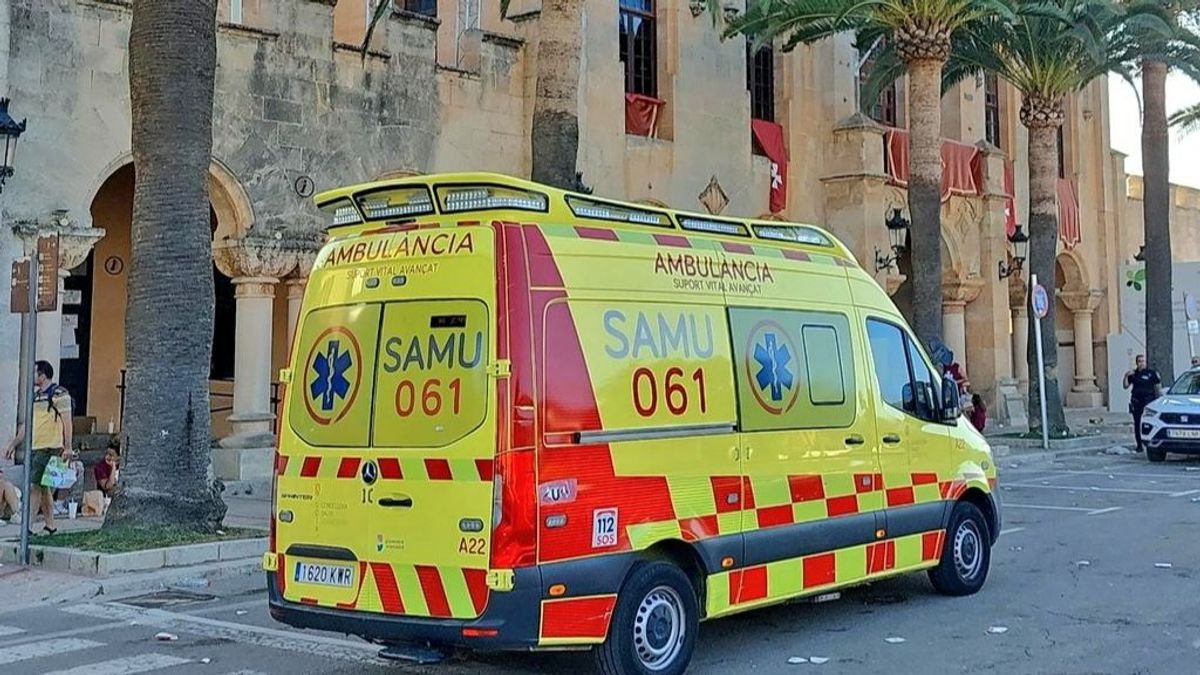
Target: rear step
pixel 422 656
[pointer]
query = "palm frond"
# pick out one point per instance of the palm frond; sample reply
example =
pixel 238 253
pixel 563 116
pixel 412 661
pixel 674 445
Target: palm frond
pixel 1187 120
pixel 381 10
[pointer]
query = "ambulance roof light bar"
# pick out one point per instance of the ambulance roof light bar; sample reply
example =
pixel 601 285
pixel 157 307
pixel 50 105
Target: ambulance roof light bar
pixel 460 198
pixel 727 227
pixel 341 212
pixel 406 201
pixel 599 210
pixel 797 234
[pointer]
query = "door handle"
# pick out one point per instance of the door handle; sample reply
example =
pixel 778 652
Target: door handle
pixel 855 439
pixel 396 502
pixel 749 454
pixel 734 454
pixel 891 439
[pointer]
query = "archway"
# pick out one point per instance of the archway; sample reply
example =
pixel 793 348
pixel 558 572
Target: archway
pixel 94 372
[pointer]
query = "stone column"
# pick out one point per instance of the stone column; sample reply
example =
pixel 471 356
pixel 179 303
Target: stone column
pixel 856 195
pixel 295 295
pixel 956 294
pixel 1084 392
pixel 75 242
pixel 255 298
pixel 256 264
pixel 1018 295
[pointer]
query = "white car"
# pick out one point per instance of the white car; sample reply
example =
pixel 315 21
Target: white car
pixel 1172 422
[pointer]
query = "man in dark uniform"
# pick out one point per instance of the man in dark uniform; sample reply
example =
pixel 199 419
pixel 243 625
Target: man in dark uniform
pixel 1145 385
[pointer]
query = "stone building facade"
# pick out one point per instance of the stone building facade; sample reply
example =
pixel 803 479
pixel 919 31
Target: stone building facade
pixel 449 86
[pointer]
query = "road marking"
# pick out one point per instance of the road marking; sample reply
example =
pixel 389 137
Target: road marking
pixel 1108 510
pixel 37 650
pixel 1089 488
pixel 1184 493
pixel 5 631
pixel 246 672
pixel 83 630
pixel 1047 507
pixel 141 663
pixel 1011 530
pixel 1116 471
pixel 318 645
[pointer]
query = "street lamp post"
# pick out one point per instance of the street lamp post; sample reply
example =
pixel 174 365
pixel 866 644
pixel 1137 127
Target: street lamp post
pixel 10 131
pixel 897 227
pixel 1020 244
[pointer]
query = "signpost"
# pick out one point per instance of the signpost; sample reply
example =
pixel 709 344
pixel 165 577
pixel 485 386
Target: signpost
pixel 1040 300
pixel 34 289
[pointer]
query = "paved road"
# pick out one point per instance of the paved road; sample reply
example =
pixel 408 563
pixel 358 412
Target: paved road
pixel 1118 613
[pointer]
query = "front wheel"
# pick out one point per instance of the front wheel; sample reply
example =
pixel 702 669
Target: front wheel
pixel 1156 455
pixel 966 555
pixel 653 629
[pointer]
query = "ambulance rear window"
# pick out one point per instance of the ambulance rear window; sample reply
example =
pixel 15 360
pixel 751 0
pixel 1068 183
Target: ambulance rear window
pixel 399 374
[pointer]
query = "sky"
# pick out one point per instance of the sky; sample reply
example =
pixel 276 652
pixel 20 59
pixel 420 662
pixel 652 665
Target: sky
pixel 1127 128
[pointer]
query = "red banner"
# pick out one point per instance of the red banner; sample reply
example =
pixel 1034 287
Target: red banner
pixel 1068 214
pixel 960 168
pixel 769 137
pixel 641 114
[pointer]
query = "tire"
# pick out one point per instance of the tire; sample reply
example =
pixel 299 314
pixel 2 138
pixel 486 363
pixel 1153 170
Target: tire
pixel 653 629
pixel 966 555
pixel 1156 456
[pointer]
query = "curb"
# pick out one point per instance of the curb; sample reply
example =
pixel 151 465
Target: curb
pixel 93 564
pixel 1045 455
pixel 192 577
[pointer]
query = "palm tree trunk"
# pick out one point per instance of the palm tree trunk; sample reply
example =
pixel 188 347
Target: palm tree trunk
pixel 1043 245
pixel 1156 209
pixel 168 325
pixel 925 197
pixel 554 136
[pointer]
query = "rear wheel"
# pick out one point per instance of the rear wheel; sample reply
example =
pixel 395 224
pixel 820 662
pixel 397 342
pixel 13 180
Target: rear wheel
pixel 966 555
pixel 1156 455
pixel 653 629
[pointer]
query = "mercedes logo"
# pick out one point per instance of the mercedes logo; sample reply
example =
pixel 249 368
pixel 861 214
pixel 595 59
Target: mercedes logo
pixel 370 473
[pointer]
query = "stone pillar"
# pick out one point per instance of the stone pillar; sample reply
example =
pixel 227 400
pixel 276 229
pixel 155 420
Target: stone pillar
pixel 295 295
pixel 1018 296
pixel 956 294
pixel 256 264
pixel 255 297
pixel 856 194
pixel 1084 393
pixel 75 242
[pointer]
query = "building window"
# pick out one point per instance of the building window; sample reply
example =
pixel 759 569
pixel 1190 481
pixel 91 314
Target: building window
pixel 1062 152
pixel 991 109
pixel 760 81
pixel 886 109
pixel 639 47
pixel 235 11
pixel 426 7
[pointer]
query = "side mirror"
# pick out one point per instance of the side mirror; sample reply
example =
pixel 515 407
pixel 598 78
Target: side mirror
pixel 951 406
pixel 908 399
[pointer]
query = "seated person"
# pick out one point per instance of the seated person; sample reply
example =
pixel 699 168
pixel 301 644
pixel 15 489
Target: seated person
pixel 108 471
pixel 10 501
pixel 72 492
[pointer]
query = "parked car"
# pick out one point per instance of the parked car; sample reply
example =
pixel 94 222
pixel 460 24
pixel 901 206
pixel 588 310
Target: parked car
pixel 1172 422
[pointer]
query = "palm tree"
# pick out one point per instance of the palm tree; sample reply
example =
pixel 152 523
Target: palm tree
pixel 1053 49
pixel 168 325
pixel 919 35
pixel 554 133
pixel 1159 57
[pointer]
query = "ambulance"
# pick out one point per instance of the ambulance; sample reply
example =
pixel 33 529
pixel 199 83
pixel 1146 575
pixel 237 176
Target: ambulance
pixel 518 418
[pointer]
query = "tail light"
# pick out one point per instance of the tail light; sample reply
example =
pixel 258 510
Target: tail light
pixel 514 511
pixel 274 503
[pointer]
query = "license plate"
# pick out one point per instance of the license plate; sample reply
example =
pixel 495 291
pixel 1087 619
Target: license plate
pixel 324 575
pixel 1183 433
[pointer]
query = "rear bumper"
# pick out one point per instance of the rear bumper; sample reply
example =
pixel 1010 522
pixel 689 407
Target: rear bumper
pixel 513 615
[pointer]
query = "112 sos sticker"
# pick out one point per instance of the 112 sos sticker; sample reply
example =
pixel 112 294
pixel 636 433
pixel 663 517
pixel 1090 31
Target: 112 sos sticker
pixel 604 528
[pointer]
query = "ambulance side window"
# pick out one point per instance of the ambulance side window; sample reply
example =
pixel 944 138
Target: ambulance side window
pixel 795 369
pixel 905 381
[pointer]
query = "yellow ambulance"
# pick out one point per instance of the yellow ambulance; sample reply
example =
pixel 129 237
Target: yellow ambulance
pixel 523 418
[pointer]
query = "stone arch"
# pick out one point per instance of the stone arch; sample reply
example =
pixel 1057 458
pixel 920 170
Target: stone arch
pixel 651 201
pixel 396 174
pixel 231 203
pixel 229 200
pixel 1074 271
